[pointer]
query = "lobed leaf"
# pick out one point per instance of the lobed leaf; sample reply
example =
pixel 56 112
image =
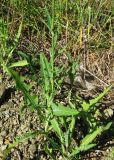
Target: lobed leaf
pixel 86 143
pixel 90 137
pixel 87 106
pixel 20 139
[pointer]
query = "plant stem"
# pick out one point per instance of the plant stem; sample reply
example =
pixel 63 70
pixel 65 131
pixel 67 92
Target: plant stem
pixel 52 45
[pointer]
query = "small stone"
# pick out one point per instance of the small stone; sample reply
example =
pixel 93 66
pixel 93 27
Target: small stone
pixel 1 140
pixel 23 126
pixel 1 124
pixel 3 133
pixel 19 133
pixel 112 39
pixel 60 158
pixel 3 147
pixel 108 112
pixel 33 141
pixel 15 122
pixel 1 115
pixel 32 148
pixel 8 105
pixel 6 112
pixel 7 141
pixel 25 142
pixel 1 154
pixel 2 88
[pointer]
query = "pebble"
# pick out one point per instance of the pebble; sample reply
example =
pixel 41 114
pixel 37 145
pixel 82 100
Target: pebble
pixel 1 124
pixel 23 126
pixel 15 122
pixel 32 141
pixel 3 147
pixel 6 113
pixel 2 88
pixel 3 133
pixel 1 115
pixel 25 142
pixel 1 140
pixel 32 148
pixel 1 154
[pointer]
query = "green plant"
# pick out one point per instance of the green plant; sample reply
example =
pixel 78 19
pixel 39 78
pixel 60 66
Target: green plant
pixel 60 121
pixel 7 51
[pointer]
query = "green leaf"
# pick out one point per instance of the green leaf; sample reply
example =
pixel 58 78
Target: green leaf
pixel 49 151
pixel 19 32
pixel 86 142
pixel 24 56
pixel 49 19
pixel 71 129
pixel 90 137
pixel 46 72
pixel 23 87
pixel 86 147
pixel 55 40
pixel 60 110
pixel 48 67
pixel 59 132
pixel 19 64
pixel 107 126
pixel 15 42
pixel 57 129
pixel 66 135
pixel 82 148
pixel 87 106
pixel 21 139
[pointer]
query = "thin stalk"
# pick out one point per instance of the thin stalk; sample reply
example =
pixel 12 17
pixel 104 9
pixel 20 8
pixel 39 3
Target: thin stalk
pixel 52 45
pixel 66 23
pixel 89 20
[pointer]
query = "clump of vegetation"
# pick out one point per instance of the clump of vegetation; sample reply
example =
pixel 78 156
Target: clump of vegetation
pixel 72 127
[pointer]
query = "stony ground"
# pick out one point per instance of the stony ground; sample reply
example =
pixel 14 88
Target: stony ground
pixel 13 123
